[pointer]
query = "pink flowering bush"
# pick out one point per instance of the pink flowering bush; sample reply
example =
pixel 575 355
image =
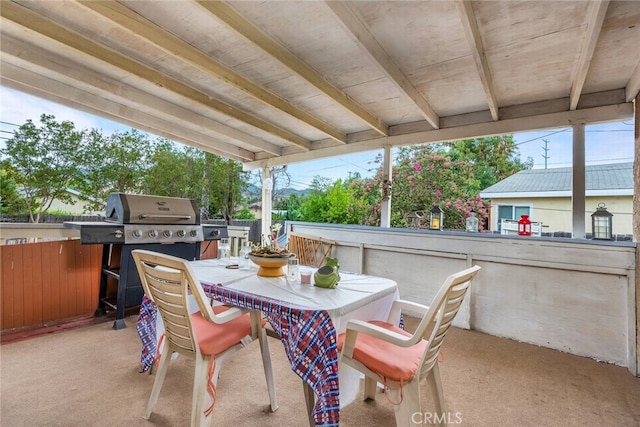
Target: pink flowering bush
pixel 421 180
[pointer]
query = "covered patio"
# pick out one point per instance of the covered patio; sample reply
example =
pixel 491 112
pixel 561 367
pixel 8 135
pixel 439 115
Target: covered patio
pixel 274 83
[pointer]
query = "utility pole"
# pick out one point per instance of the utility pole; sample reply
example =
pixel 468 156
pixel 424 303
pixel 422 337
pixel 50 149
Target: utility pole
pixel 546 151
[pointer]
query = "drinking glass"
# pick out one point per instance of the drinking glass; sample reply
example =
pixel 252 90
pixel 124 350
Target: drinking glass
pixel 224 252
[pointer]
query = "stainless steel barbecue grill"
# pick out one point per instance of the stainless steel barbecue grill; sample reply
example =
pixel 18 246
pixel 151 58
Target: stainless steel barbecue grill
pixel 168 225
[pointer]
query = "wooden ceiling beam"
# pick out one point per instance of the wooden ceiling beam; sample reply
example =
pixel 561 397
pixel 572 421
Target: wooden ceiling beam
pixel 360 34
pixel 176 47
pixel 238 23
pixel 43 86
pixel 39 24
pixel 102 86
pixel 608 113
pixel 597 10
pixel 472 32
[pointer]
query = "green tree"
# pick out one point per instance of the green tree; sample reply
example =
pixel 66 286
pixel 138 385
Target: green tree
pixel 315 204
pixel 293 207
pixel 215 183
pixel 47 160
pixel 450 175
pixel 10 200
pixel 176 172
pixel 290 206
pixel 361 201
pixel 113 164
pixel 226 182
pixel 493 158
pixel 245 213
pixel 328 203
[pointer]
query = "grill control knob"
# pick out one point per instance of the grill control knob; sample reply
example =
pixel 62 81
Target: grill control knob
pixel 137 234
pixel 153 234
pixel 181 233
pixel 193 233
pixel 167 233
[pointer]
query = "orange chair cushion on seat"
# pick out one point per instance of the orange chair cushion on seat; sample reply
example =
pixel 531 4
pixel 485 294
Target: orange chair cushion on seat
pixel 387 360
pixel 215 338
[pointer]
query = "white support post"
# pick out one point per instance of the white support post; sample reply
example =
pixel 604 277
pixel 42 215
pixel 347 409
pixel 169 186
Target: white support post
pixel 579 183
pixel 385 212
pixel 636 231
pixel 267 187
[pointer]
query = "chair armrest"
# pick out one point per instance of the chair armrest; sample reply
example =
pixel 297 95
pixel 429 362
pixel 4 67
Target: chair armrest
pixel 225 316
pixel 402 306
pixel 356 326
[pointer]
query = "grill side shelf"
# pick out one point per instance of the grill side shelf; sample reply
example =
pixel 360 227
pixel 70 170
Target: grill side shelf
pixel 98 232
pixel 102 234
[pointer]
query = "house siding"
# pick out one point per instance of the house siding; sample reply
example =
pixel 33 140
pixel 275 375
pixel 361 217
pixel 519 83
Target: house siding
pixel 555 212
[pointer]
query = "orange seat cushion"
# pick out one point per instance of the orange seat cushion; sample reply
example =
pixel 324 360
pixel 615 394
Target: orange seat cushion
pixel 214 338
pixel 387 360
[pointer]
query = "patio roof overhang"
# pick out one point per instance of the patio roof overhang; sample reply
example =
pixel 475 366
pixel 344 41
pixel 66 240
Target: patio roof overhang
pixel 271 83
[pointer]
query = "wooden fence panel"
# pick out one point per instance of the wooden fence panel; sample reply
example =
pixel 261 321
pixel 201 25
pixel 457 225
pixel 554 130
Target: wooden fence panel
pixel 6 289
pixel 48 282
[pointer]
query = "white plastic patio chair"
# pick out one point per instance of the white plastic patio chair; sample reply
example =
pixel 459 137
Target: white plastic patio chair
pixel 399 360
pixel 209 336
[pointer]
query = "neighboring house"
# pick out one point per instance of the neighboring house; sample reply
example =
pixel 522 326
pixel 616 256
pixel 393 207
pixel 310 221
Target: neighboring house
pixel 256 208
pixel 545 195
pixel 75 209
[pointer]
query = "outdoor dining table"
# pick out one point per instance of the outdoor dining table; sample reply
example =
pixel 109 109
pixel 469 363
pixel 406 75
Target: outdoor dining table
pixel 305 317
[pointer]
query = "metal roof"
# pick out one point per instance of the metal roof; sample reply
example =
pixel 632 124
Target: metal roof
pixel 275 82
pixel 609 177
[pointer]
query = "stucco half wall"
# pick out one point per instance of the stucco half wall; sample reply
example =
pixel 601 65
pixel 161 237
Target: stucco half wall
pixel 575 296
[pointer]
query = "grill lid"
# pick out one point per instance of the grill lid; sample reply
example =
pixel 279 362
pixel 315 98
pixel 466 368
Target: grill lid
pixel 125 208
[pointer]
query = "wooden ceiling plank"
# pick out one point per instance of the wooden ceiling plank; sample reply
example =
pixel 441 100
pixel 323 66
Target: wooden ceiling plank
pixel 39 24
pixel 472 32
pixel 353 23
pixel 46 88
pixel 238 23
pixel 105 87
pixel 593 23
pixel 171 44
pixel 608 113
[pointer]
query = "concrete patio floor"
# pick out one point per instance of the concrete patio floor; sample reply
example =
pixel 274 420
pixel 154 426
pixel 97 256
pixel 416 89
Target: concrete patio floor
pixel 88 376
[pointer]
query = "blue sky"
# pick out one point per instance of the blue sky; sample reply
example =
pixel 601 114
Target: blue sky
pixel 605 143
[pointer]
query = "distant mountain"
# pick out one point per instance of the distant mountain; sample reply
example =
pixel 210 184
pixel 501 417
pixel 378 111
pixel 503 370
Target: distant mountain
pixel 254 191
pixel 289 191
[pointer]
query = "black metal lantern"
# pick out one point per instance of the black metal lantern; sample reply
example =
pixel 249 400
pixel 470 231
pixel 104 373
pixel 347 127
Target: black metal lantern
pixel 601 222
pixel 436 218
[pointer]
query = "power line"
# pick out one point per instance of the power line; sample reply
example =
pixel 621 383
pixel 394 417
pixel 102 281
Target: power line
pixel 566 130
pixel 611 130
pixel 596 162
pixel 543 136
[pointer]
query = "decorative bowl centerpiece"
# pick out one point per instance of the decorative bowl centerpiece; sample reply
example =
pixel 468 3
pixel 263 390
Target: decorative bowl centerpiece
pixel 270 260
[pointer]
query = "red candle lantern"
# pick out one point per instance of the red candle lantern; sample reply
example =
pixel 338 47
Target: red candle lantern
pixel 524 226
